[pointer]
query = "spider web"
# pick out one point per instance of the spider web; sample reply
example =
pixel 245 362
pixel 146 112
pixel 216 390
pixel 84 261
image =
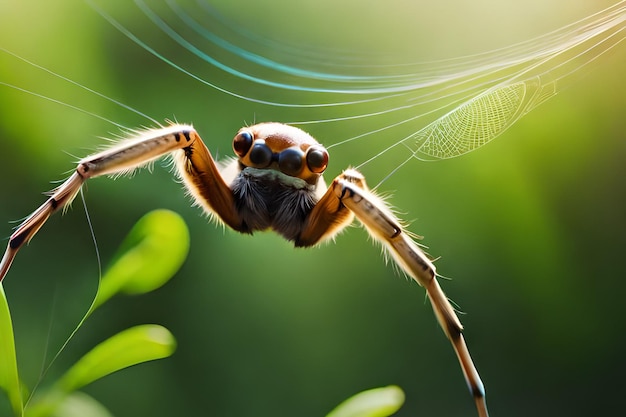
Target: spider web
pixel 479 120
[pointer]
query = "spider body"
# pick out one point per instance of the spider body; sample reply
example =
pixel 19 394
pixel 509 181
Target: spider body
pixel 276 181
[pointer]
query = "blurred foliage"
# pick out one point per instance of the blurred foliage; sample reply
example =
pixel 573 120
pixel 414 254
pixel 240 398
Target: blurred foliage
pixel 377 402
pixel 530 228
pixel 129 347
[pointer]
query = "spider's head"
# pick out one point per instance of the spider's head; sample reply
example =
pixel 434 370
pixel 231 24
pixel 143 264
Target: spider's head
pixel 282 148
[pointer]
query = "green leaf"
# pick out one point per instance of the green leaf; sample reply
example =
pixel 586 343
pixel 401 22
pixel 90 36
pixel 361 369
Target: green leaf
pixel 79 404
pixel 127 348
pixel 377 402
pixel 150 255
pixel 56 403
pixel 9 379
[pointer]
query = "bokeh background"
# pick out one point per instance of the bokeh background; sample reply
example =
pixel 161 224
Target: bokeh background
pixel 531 229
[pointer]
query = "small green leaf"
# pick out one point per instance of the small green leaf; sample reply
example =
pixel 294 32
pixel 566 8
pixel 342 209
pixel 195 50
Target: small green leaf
pixel 377 402
pixel 129 347
pixel 79 404
pixel 150 255
pixel 55 403
pixel 9 379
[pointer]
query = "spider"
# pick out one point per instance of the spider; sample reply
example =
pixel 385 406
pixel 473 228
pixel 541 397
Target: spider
pixel 275 182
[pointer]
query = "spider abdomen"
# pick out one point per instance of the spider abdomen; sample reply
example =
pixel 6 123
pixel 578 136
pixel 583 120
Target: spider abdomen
pixel 267 199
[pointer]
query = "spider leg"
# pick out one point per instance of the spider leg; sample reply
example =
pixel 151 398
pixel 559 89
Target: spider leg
pixel 203 180
pixel 195 164
pixel 350 189
pixel 328 217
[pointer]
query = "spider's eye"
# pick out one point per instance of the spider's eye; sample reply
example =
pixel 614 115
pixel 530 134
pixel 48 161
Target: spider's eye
pixel 290 161
pixel 317 160
pixel 242 143
pixel 261 154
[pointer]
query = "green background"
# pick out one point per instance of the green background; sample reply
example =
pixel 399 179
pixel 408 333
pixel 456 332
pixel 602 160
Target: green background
pixel 531 229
